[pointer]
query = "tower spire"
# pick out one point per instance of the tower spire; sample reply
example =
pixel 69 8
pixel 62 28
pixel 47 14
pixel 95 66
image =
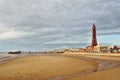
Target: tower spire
pixel 94 39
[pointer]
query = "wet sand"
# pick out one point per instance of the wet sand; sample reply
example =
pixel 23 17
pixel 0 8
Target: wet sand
pixel 108 69
pixel 103 64
pixel 43 67
pixel 80 67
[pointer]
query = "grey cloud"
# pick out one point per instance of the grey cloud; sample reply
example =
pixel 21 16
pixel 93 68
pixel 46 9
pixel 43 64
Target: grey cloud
pixel 54 21
pixel 111 33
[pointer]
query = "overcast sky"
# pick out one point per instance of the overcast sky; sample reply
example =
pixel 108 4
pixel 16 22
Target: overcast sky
pixel 41 25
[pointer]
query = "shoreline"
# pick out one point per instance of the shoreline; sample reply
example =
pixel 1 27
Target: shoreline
pixel 6 57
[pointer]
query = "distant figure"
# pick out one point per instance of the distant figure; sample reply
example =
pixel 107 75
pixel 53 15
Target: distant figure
pixel 29 52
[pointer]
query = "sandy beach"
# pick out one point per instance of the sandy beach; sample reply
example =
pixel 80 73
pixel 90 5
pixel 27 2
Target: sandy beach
pixel 59 67
pixel 108 69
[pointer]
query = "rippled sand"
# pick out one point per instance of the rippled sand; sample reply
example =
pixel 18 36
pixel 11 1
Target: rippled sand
pixel 43 67
pixel 108 69
pixel 59 67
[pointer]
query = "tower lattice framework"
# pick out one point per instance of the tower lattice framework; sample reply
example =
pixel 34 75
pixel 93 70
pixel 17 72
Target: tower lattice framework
pixel 94 39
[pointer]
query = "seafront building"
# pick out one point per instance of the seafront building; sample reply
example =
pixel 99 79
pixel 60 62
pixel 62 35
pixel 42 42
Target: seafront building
pixel 102 49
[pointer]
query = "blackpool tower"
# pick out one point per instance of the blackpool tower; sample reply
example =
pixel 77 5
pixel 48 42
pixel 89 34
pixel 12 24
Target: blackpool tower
pixel 94 39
